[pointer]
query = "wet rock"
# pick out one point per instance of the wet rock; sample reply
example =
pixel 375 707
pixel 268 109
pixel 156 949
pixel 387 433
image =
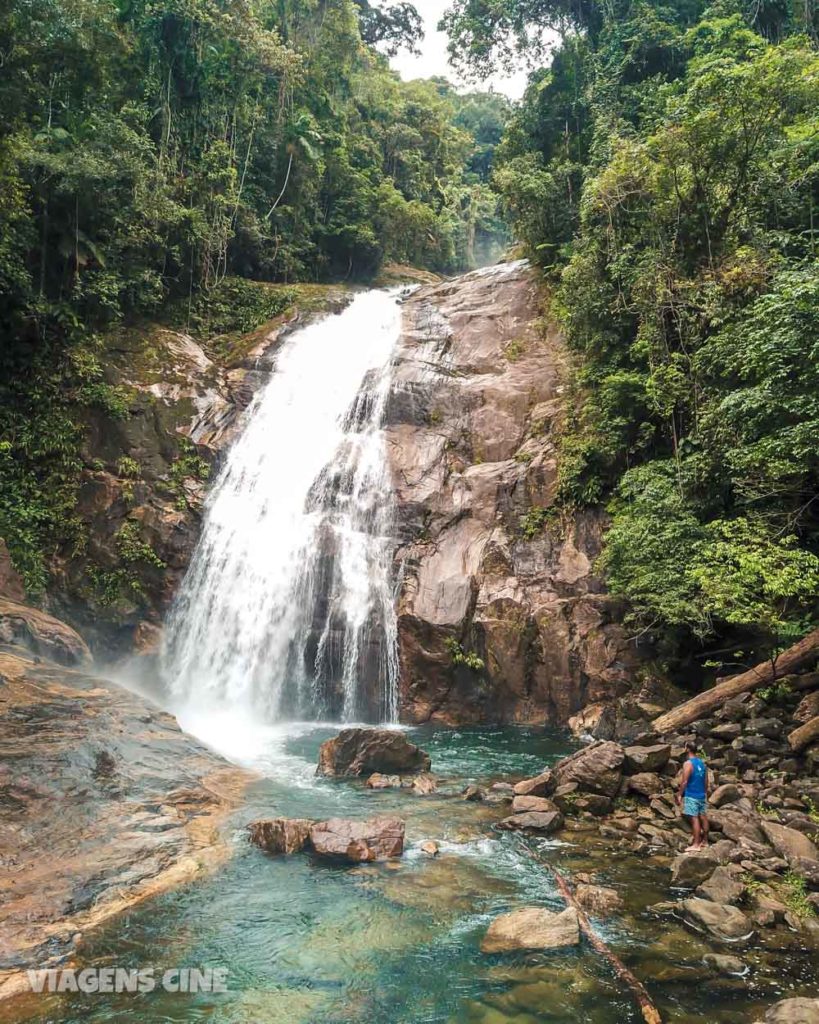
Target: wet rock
pixel 691 869
pixel 357 841
pixel 532 928
pixel 646 759
pixel 280 835
pixel 721 922
pixel 364 751
pixel 794 1011
pixel 424 784
pixel 598 900
pixel 597 768
pixel 474 794
pixel 111 803
pixel 645 784
pixel 520 804
pixel 727 794
pixel 722 886
pixel 41 634
pixel 429 847
pixel 789 843
pixel 540 785
pixel 537 821
pixel 502 787
pixel 379 781
pixel 722 964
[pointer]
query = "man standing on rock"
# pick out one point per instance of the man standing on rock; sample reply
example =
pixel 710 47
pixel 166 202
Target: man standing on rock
pixel 693 795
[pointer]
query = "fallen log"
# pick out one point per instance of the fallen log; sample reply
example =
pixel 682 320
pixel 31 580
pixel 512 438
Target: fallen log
pixel 649 1011
pixel 800 656
pixel 804 735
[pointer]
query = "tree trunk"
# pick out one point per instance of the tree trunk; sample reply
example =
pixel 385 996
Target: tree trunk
pixel 795 658
pixel 649 1011
pixel 804 735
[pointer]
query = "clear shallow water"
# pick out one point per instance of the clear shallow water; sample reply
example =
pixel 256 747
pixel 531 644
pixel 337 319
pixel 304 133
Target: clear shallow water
pixel 310 943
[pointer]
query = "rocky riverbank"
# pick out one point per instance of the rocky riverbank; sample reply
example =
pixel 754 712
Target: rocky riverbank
pixel 104 801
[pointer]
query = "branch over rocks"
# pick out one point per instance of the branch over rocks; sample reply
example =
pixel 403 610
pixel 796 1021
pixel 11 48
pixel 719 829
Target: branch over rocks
pixel 800 656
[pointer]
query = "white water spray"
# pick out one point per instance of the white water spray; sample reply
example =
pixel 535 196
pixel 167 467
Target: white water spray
pixel 287 609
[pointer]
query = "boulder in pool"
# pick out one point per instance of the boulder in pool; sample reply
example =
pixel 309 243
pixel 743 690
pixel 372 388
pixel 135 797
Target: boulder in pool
pixel 280 835
pixel 532 928
pixel 535 821
pixel 365 751
pixel 357 841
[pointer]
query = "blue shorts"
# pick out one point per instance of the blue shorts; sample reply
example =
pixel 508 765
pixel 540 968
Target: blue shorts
pixel 693 807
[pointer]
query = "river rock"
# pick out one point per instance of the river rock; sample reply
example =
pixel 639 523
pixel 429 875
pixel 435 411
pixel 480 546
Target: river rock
pixel 280 835
pixel 364 751
pixel 726 794
pixel 722 964
pixel 789 843
pixel 645 784
pixel 532 928
pixel 548 822
pixel 646 759
pixel 379 781
pixel 723 923
pixel 598 900
pixel 429 847
pixel 357 841
pixel 794 1011
pixel 540 785
pixel 722 886
pixel 424 784
pixel 520 804
pixel 691 869
pixel 597 768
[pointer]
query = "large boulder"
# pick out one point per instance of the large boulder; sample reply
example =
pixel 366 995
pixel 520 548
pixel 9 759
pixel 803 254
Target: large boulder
pixel 789 843
pixel 356 841
pixel 41 634
pixel 690 870
pixel 537 821
pixel 540 785
pixel 597 768
pixel 522 804
pixel 728 793
pixel 646 784
pixel 532 928
pixel 280 835
pixel 723 886
pixel 647 759
pixel 364 751
pixel 598 900
pixel 794 1011
pixel 721 922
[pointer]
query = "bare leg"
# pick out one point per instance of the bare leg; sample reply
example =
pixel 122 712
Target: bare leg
pixel 695 829
pixel 703 822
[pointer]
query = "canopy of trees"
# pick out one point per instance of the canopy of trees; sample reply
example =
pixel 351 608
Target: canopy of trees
pixel 663 169
pixel 149 151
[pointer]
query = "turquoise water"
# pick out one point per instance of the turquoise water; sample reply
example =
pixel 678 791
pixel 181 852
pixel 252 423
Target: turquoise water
pixel 310 943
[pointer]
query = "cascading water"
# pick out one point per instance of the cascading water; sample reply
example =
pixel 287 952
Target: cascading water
pixel 287 610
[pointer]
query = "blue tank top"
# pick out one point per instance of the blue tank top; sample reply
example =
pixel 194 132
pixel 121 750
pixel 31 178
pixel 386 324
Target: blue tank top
pixel 695 787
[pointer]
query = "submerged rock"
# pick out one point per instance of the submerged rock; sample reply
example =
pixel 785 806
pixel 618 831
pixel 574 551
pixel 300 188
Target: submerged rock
pixel 598 900
pixel 356 841
pixel 721 964
pixel 532 928
pixel 794 1011
pixel 364 751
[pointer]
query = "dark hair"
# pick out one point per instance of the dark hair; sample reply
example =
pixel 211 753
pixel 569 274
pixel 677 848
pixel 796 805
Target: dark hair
pixel 691 746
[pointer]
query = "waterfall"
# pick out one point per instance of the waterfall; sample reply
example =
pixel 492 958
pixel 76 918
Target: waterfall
pixel 288 607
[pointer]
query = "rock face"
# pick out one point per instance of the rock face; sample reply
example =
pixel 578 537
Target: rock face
pixel 356 841
pixel 532 928
pixel 104 802
pixel 487 570
pixel 365 751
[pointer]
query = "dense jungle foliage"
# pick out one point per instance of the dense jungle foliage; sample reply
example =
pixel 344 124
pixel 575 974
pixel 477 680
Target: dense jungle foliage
pixel 157 156
pixel 663 169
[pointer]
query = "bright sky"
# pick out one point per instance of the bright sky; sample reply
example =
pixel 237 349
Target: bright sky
pixel 433 58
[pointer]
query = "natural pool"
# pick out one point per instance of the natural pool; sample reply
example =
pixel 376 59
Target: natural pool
pixel 308 943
